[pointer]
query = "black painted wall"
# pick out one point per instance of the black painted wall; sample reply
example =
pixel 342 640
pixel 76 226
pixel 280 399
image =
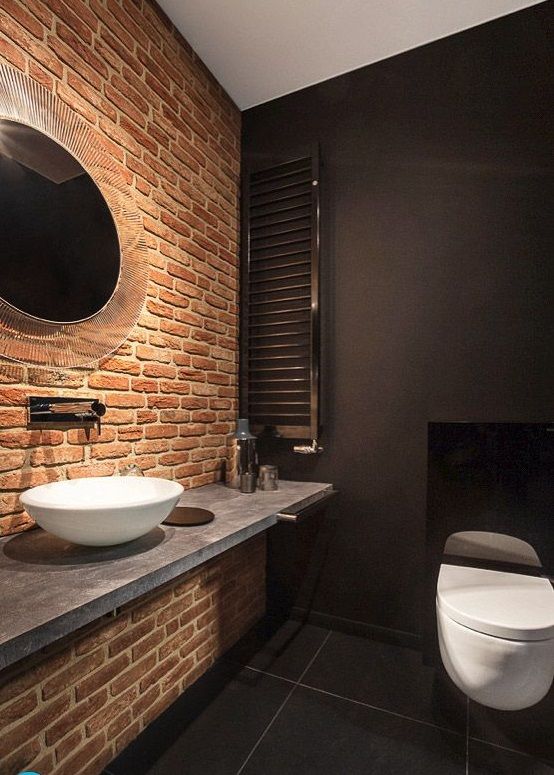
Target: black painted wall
pixel 438 279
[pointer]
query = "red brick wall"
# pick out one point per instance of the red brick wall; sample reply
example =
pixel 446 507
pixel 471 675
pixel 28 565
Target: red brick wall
pixel 73 708
pixel 171 388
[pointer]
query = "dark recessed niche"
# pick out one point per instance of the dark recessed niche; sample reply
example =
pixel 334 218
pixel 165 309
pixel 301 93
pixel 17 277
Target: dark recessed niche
pixel 492 477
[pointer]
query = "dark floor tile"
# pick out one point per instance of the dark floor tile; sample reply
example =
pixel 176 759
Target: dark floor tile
pixel 210 729
pixel 530 731
pixel 318 734
pixel 390 677
pixel 284 649
pixel 486 759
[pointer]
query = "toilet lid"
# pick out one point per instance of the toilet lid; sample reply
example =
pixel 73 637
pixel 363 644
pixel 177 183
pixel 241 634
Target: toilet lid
pixel 506 605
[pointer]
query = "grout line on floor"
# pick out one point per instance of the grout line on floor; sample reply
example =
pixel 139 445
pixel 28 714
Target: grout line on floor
pixel 282 705
pixel 468 737
pixel 266 730
pixel 381 710
pixel 315 656
pixel 505 748
pixel 302 685
pixel 271 675
pixel 398 715
pixel 355 702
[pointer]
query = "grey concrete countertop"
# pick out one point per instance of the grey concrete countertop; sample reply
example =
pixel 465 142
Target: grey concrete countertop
pixel 50 587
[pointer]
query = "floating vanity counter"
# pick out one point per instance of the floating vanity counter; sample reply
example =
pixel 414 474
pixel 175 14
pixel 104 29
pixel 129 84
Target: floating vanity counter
pixel 51 588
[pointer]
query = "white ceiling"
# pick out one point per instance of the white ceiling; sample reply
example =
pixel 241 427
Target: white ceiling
pixel 262 49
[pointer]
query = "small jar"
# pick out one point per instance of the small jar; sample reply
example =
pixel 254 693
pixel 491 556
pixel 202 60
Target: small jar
pixel 268 478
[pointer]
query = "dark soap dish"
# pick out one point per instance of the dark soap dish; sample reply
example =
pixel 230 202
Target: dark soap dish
pixel 189 516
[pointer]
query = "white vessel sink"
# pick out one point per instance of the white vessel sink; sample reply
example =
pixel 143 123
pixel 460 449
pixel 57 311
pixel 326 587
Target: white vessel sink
pixel 102 511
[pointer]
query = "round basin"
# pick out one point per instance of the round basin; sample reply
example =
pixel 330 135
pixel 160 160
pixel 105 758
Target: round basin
pixel 102 511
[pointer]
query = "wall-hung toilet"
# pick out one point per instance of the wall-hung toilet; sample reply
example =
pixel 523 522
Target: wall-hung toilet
pixel 496 634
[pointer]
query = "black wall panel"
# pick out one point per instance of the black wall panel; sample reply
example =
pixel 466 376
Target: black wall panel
pixel 437 281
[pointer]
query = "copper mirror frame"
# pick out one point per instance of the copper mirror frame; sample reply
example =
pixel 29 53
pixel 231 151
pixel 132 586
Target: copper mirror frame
pixel 31 340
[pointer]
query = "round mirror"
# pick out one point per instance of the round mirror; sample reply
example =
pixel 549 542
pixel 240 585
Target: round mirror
pixel 73 257
pixel 60 256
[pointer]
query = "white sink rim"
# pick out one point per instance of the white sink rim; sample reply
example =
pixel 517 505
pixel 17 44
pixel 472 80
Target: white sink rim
pixel 29 497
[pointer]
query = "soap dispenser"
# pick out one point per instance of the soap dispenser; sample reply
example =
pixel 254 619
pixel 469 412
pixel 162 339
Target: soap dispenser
pixel 246 457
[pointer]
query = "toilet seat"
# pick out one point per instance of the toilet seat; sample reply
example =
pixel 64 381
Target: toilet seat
pixel 505 605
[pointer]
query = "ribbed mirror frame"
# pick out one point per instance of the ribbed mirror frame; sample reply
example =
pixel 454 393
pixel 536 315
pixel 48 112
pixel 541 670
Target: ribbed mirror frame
pixel 30 340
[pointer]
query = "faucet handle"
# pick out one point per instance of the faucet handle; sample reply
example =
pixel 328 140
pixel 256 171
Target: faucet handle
pixel 99 410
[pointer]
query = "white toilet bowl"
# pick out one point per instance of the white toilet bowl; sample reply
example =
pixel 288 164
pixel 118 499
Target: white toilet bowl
pixel 496 634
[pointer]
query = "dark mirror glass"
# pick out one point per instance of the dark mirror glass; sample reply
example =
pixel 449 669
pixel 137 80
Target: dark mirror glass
pixel 60 256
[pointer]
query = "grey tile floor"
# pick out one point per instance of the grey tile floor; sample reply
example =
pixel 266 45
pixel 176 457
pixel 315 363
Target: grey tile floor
pixel 303 700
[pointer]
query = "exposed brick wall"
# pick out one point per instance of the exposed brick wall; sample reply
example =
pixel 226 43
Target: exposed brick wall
pixel 171 388
pixel 72 709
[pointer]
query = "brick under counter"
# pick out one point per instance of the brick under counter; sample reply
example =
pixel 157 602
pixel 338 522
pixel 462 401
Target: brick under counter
pixel 73 707
pixel 77 685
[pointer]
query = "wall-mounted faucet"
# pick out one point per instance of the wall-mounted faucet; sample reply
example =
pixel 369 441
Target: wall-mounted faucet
pixel 64 413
